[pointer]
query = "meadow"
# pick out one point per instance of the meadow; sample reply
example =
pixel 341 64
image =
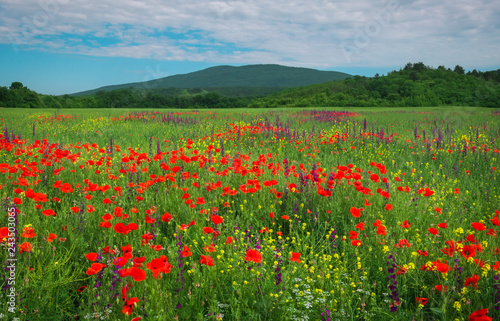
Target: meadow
pixel 250 214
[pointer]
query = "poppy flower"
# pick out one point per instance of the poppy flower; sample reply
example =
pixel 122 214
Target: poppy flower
pixel 4 233
pixel 75 209
pixel 17 200
pixel 353 235
pixel 472 281
pixel 138 261
pixel 25 247
pixel 186 252
pixel 166 217
pixel 433 230
pixel 478 226
pixel 285 217
pixel 405 224
pixel 423 253
pixel 208 230
pixel 443 225
pixel 48 212
pixel 442 267
pixel 216 219
pixel 95 268
pixel 422 301
pixel 360 226
pixel 129 306
pixel 355 212
pixel 91 256
pixel 356 243
pixel 253 256
pixel 381 230
pixel 83 287
pixel 366 202
pixel 136 273
pixel 159 265
pixel 206 260
pixel 439 287
pixel 28 232
pixel 437 209
pixel 480 315
pixel 229 240
pixel 388 207
pixel 210 248
pixel 295 257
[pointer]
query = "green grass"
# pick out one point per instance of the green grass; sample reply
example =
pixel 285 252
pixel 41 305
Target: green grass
pixel 334 278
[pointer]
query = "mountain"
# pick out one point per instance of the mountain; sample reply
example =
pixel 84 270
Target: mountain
pixel 273 77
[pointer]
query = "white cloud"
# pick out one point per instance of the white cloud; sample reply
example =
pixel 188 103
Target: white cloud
pixel 321 33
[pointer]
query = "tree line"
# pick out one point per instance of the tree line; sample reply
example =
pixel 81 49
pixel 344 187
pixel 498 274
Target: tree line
pixel 414 85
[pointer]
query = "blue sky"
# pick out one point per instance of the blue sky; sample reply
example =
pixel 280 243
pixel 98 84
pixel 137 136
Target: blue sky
pixel 62 46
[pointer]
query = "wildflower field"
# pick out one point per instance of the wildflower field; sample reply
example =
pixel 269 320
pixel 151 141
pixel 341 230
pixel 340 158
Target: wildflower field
pixel 251 214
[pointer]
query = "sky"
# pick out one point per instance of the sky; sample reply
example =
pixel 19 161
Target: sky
pixel 64 46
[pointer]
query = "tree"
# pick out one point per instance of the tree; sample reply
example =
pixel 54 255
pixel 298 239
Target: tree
pixel 459 70
pixel 16 85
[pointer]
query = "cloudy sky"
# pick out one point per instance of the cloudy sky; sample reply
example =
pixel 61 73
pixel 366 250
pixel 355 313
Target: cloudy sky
pixel 66 46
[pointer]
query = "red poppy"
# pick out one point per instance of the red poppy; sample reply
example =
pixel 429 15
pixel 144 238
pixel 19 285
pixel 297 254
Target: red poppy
pixel 129 306
pixel 437 209
pixel 186 252
pixel 75 209
pixel 25 247
pixel 138 261
pixel 405 224
pixel 472 281
pixel 480 315
pixel 388 207
pixel 422 301
pixel 159 265
pixel 468 251
pixel 229 240
pixel 381 230
pixel 95 268
pixel 206 260
pixel 356 243
pixel 478 226
pixel 253 256
pixel 216 219
pixel 356 212
pixel 285 217
pixel 440 287
pixel 208 230
pixel 423 253
pixel 295 257
pixel 433 230
pixel 48 212
pixel 83 287
pixel 443 225
pixel 360 226
pixel 28 232
pixel 210 248
pixel 366 202
pixel 17 200
pixel 353 235
pixel 442 267
pixel 136 273
pixel 91 256
pixel 4 233
pixel 166 217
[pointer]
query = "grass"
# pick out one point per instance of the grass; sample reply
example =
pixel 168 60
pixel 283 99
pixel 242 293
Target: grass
pixel 283 182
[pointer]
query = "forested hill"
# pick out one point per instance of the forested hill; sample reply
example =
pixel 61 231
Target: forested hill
pixel 414 85
pixel 264 76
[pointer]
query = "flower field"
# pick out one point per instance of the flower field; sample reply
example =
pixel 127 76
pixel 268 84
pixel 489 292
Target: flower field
pixel 300 214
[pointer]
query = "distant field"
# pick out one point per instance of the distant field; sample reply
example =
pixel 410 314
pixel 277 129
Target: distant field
pixel 250 214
